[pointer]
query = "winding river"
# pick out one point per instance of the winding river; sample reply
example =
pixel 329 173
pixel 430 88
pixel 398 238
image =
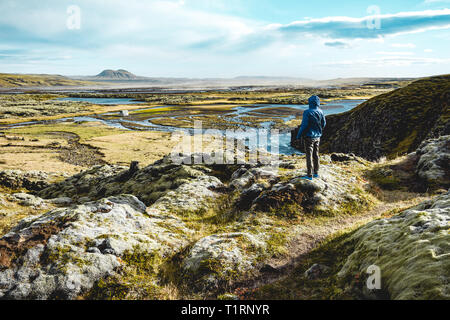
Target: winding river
pixel 334 107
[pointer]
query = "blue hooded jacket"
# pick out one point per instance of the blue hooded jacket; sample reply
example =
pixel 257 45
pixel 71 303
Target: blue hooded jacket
pixel 313 120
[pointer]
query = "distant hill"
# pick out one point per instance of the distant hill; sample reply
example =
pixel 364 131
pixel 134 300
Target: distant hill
pixel 8 80
pixel 124 78
pixel 117 75
pixel 392 124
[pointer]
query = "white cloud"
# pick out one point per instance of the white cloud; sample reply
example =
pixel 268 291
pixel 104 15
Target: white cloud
pixel 436 1
pixel 180 37
pixel 398 61
pixel 341 28
pixel 403 45
pixel 388 53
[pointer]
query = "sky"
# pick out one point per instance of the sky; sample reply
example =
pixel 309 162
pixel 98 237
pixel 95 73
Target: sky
pixel 315 39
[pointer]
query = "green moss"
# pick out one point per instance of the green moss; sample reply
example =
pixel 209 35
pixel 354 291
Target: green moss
pixel 108 290
pixel 62 256
pixel 276 245
pixel 138 279
pixel 385 178
pixel 413 264
pixel 142 261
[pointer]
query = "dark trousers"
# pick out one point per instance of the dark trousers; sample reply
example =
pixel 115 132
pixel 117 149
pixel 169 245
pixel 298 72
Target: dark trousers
pixel 312 155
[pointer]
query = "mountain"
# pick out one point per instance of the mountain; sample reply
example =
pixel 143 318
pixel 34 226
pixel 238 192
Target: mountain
pixel 391 124
pixel 116 75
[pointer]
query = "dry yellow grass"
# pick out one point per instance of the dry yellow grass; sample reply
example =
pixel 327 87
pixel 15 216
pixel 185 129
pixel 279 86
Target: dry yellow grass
pixel 115 145
pixel 34 155
pixel 145 147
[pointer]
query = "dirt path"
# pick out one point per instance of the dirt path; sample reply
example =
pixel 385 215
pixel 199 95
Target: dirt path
pixel 312 235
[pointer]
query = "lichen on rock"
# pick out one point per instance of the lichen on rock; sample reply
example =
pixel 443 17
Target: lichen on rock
pixel 17 179
pixel 78 246
pixel 222 258
pixel 148 184
pixel 433 164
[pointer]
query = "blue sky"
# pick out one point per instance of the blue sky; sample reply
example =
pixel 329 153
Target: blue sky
pixel 320 39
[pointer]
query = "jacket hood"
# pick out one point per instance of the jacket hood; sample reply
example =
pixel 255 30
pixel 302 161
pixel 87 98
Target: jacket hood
pixel 314 102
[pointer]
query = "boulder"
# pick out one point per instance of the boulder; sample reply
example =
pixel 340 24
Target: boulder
pixel 194 195
pixel 433 164
pixel 62 253
pixel 63 201
pixel 17 179
pixel 316 271
pixel 244 177
pixel 27 200
pixel 328 192
pixel 411 249
pixel 221 258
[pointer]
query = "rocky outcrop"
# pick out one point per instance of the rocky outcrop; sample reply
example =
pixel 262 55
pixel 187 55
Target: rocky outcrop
pixel 28 200
pixel 218 260
pixel 221 259
pixel 433 165
pixel 62 253
pixel 17 179
pixel 412 251
pixel 65 252
pixel 330 192
pixel 148 184
pixel 391 124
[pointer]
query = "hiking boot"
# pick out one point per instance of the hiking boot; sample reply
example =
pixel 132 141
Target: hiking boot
pixel 306 178
pixel 315 175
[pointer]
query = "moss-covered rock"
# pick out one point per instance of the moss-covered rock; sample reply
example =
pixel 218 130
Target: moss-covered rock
pixel 18 179
pixel 335 190
pixel 412 251
pixel 148 184
pixel 221 259
pixel 63 253
pixel 433 164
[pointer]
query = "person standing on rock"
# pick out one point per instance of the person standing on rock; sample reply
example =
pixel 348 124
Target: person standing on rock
pixel 311 129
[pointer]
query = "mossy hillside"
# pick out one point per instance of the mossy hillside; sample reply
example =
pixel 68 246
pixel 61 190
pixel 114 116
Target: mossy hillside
pixel 393 123
pixel 409 246
pixel 31 80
